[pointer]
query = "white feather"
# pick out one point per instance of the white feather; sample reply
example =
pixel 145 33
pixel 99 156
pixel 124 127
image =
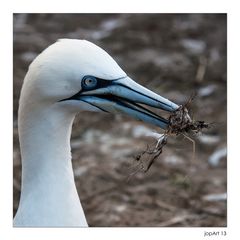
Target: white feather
pixel 49 196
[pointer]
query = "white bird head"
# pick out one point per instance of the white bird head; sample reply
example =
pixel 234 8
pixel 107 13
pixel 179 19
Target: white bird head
pixel 80 76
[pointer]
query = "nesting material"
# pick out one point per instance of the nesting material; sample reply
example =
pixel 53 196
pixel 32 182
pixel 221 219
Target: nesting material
pixel 180 123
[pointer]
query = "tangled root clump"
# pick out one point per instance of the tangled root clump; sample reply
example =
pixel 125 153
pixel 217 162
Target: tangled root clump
pixel 179 123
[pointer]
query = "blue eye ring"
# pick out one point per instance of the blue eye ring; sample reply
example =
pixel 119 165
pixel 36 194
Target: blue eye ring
pixel 89 82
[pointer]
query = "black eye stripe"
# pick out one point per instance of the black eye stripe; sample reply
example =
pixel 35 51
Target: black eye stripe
pixel 100 83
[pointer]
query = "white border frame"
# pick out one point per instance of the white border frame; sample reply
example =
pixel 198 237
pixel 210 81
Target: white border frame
pixel 108 6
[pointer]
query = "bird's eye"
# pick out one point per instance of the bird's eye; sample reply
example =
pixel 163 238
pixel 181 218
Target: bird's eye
pixel 89 82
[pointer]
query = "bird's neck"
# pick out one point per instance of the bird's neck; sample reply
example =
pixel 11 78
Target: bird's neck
pixel 48 186
pixel 44 136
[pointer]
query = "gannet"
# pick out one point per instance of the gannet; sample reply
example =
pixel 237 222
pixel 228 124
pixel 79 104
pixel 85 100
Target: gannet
pixel 69 77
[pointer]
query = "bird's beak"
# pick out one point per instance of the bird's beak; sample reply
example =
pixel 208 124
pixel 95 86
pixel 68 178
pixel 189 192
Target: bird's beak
pixel 125 95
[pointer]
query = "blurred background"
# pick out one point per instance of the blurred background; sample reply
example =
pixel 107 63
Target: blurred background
pixel 174 55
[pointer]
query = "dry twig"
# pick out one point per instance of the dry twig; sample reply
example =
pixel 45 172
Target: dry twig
pixel 180 123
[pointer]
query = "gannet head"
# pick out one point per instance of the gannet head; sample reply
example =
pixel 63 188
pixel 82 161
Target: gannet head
pixel 79 75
